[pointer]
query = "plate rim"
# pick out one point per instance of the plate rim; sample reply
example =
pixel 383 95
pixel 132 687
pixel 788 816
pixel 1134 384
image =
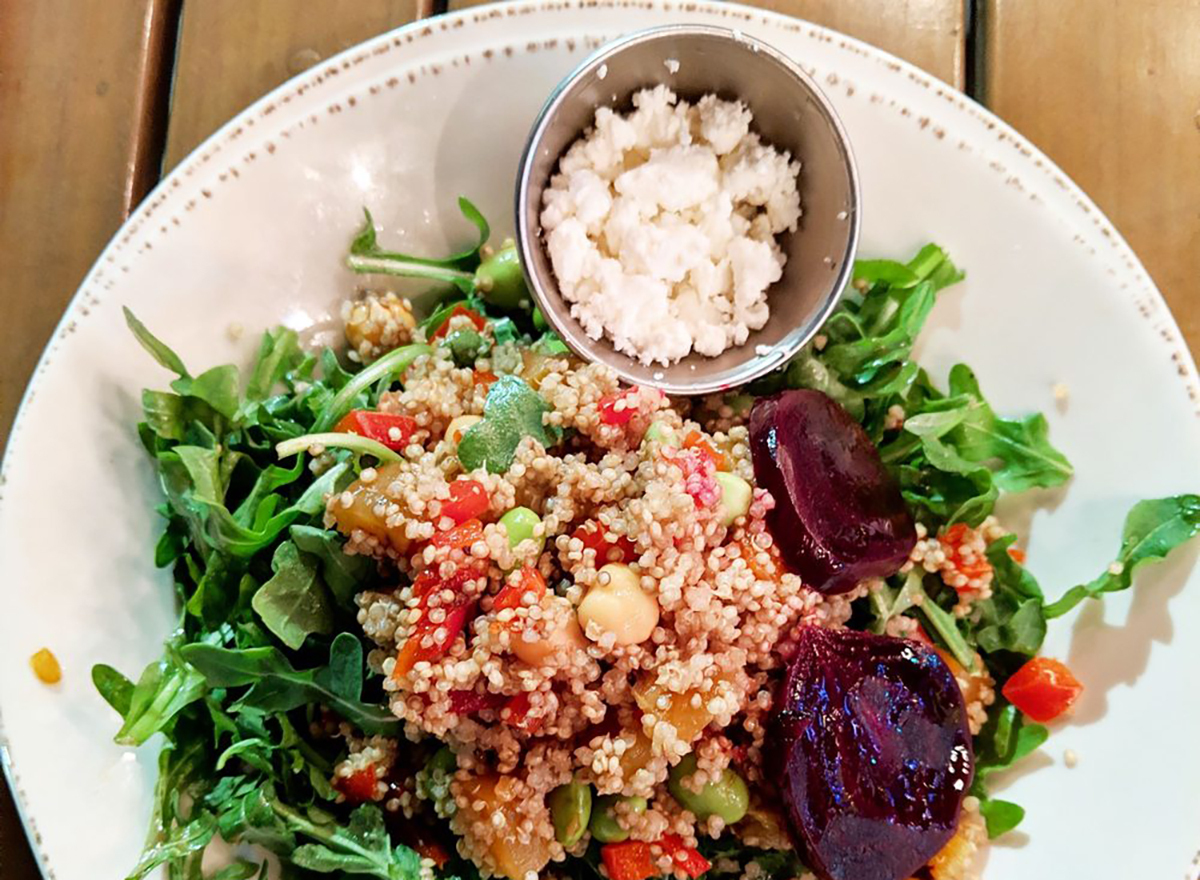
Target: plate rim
pixel 323 75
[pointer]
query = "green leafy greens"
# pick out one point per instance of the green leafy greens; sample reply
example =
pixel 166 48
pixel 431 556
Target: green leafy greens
pixel 264 653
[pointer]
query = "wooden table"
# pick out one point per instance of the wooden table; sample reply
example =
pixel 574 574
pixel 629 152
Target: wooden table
pixel 99 98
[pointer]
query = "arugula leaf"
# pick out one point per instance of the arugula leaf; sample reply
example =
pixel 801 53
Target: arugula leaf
pixel 1153 528
pixel 1012 619
pixel 344 574
pixel 278 353
pixel 365 243
pixel 1006 738
pixel 165 688
pixel 512 411
pixel 293 604
pixel 1000 816
pixel 360 847
pixel 158 349
pixel 115 688
pixel 1018 449
pixel 277 686
pixel 217 387
pixel 367 257
pixel 394 363
pixel 941 620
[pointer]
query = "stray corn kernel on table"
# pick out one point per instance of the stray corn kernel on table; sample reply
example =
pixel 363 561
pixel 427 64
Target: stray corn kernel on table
pixel 100 99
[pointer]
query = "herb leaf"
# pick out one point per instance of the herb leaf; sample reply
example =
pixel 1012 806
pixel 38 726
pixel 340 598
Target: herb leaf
pixel 513 411
pixel 1153 528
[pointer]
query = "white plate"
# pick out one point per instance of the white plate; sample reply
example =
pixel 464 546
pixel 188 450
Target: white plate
pixel 251 230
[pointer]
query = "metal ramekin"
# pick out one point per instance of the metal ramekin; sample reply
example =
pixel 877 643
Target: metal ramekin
pixel 790 112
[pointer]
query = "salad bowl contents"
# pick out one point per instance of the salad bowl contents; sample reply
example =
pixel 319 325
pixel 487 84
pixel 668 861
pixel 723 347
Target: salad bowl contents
pixel 459 601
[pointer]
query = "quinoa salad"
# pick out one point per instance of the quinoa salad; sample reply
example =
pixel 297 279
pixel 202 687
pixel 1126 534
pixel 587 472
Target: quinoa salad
pixel 455 603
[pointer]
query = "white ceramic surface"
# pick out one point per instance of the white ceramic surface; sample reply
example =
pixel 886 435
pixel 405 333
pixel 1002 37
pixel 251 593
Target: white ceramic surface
pixel 251 229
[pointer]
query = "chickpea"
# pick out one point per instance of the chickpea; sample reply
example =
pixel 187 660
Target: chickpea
pixel 565 632
pixel 617 604
pixel 459 426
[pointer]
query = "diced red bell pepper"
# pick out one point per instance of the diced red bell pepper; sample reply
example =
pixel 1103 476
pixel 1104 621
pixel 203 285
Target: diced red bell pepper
pixel 392 430
pixel 444 328
pixel 468 702
pixel 685 858
pixel 359 786
pixel 511 595
pixel 461 537
pixel 468 500
pixel 516 713
pixel 628 860
pixel 432 850
pixel 695 440
pixel 595 537
pixel 1017 555
pixel 483 377
pixel 611 413
pixel 952 540
pixel 1043 689
pixel 429 640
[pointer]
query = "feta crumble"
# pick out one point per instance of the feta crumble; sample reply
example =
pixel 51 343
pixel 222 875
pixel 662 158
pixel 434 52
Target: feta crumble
pixel 662 226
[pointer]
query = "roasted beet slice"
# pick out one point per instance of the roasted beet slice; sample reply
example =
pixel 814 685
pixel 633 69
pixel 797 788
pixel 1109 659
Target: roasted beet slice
pixel 839 516
pixel 872 743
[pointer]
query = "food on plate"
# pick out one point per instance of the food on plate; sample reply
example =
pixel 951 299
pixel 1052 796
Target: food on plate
pixel 663 225
pixel 464 604
pixel 46 666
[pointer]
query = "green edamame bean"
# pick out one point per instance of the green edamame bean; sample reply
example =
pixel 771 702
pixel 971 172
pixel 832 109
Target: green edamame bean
pixel 736 495
pixel 443 761
pixel 570 811
pixel 662 433
pixel 499 278
pixel 604 825
pixel 726 797
pixel 520 523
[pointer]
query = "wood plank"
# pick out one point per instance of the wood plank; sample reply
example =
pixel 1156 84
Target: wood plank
pixel 1107 89
pixel 79 84
pixel 929 33
pixel 231 52
pixel 78 88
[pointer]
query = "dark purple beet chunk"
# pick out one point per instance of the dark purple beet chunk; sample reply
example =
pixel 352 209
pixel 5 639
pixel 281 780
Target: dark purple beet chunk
pixel 872 743
pixel 839 516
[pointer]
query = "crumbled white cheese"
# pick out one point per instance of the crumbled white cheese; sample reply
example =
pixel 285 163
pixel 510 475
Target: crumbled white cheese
pixel 672 65
pixel 602 71
pixel 661 226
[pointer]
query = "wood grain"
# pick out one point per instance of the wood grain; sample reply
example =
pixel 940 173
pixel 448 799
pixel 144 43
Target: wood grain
pixel 78 83
pixel 929 33
pixel 231 52
pixel 1108 89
